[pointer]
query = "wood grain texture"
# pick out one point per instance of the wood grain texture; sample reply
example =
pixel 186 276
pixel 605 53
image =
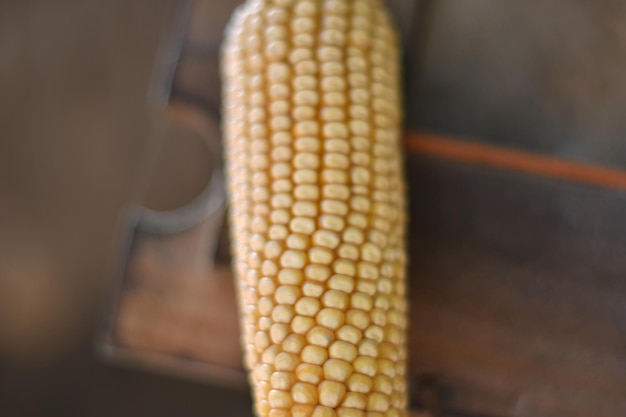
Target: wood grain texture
pixel 518 299
pixel 177 309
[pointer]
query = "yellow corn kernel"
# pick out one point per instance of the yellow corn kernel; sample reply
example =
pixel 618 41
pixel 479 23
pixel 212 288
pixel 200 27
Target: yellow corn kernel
pixel 312 126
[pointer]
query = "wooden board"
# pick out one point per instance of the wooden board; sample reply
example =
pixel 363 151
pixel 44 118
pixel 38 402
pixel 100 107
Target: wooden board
pixel 518 299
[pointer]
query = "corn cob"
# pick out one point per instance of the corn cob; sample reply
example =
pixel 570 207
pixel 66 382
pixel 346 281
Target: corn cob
pixel 317 209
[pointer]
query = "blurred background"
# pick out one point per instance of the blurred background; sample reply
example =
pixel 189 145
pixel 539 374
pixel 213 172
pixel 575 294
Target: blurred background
pixel 79 142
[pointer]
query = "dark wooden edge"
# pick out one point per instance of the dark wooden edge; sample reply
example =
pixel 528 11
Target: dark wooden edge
pixel 146 360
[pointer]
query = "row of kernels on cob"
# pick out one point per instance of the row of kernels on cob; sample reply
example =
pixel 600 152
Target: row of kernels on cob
pixel 317 206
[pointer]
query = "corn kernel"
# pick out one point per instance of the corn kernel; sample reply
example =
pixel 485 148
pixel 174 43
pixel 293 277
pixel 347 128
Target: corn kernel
pixel 336 160
pixel 290 276
pixel 312 374
pixel 350 412
pixel 367 287
pixel 342 283
pixel 321 411
pixel 361 301
pixel 305 8
pixel 334 176
pixel 349 334
pixel 337 370
pixel 334 207
pixel 331 222
pixel 261 341
pixel 302 113
pixel 307 306
pixel 317 272
pixel 265 323
pixel 293 259
pixel 320 336
pixel 314 355
pixel 331 393
pixel 304 208
pixel 278 332
pixel 297 241
pixel 263 372
pixel 383 384
pixel 286 361
pixel 280 399
pixel 343 350
pixel 308 145
pixel 283 380
pixel 360 383
pixel 326 239
pixel 355 400
pixel 331 318
pixel 302 410
pixel 321 255
pixel 269 268
pixel 301 325
pixel 263 389
pixel 263 407
pixel 374 332
pixel 358 319
pixel 278 413
pixel 287 294
pixel 311 289
pixel 368 347
pixel 305 176
pixel 266 286
pixel 265 306
pixel 307 192
pixel 386 367
pixel 334 22
pixel 282 314
pixel 294 343
pixel 304 393
pixel 332 114
pixel 335 299
pixel 377 402
pixel 366 365
pixel 353 235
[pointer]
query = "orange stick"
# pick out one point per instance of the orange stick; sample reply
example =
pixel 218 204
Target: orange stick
pixel 499 157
